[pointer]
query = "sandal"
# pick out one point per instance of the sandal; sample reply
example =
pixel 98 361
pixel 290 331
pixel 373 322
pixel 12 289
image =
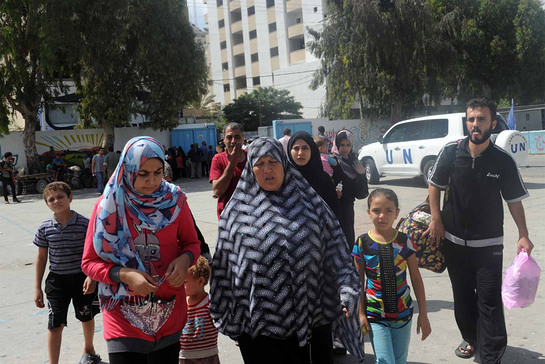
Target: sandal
pixel 464 345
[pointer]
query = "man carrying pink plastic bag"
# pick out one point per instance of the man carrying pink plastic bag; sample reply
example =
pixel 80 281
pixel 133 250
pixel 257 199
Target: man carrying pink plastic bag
pixel 520 283
pixel 477 175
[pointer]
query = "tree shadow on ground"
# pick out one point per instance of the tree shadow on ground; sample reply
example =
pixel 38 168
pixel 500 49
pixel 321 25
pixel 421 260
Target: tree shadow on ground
pixel 416 182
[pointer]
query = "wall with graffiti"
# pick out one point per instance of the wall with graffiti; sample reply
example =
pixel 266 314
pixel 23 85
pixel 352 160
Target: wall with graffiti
pixel 13 142
pixel 536 141
pixel 72 143
pixel 364 131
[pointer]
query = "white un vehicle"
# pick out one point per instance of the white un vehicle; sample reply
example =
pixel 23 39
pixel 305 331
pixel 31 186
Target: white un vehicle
pixel 410 147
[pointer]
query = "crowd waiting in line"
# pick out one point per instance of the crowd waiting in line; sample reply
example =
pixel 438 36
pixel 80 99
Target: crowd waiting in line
pixel 289 280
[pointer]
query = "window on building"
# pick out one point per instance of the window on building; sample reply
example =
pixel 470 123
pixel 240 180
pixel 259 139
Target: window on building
pixel 236 15
pixel 270 3
pixel 527 117
pixel 221 23
pixel 224 66
pixel 254 57
pixel 226 87
pixel 272 27
pixel 219 2
pixel 223 44
pixel 315 9
pixel 253 34
pixel 251 10
pixel 237 38
pixel 274 52
pixel 256 81
pixel 298 21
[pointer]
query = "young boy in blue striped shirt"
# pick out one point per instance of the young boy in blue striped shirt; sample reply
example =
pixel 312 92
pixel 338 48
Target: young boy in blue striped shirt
pixel 61 238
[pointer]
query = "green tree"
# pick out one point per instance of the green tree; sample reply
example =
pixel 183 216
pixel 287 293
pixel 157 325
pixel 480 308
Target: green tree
pixel 500 47
pixel 260 107
pixel 386 55
pixel 138 57
pixel 36 50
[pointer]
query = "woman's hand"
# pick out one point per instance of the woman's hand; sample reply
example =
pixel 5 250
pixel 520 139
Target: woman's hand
pixel 358 167
pixel 177 270
pixel 89 286
pixel 141 283
pixel 423 323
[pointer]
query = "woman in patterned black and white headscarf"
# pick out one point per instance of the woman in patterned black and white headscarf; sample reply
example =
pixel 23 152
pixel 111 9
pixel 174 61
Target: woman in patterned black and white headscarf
pixel 281 272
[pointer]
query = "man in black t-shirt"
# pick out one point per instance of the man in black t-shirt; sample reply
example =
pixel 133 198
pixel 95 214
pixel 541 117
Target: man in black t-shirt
pixel 476 175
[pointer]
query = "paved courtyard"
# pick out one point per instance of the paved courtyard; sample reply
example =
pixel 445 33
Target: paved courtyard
pixel 23 332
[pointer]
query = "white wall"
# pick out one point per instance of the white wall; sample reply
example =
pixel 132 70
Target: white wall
pixel 13 142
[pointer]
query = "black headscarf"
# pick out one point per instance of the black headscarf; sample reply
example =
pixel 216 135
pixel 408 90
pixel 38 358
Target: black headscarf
pixel 314 173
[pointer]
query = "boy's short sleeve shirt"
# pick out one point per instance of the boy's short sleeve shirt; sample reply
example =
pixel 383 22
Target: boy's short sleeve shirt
pixel 65 245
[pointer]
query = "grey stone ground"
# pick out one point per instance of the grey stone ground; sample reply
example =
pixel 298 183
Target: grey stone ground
pixel 23 333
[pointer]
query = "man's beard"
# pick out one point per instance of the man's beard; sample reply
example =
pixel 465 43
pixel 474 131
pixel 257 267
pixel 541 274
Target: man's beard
pixel 485 135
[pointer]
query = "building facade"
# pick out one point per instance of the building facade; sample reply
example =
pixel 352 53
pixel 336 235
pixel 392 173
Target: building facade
pixel 260 43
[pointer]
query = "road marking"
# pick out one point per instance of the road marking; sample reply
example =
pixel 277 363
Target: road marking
pixel 17 225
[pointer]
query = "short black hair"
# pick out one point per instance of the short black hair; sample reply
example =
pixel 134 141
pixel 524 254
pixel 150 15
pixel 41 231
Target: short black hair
pixel 287 131
pixel 321 129
pixel 233 126
pixel 483 102
pixel 7 154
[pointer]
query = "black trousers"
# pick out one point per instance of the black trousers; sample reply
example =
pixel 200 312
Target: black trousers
pixel 5 182
pixel 168 355
pixel 476 277
pixel 265 350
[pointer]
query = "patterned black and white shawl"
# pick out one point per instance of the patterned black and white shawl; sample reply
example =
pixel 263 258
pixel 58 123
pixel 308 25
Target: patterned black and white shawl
pixel 281 264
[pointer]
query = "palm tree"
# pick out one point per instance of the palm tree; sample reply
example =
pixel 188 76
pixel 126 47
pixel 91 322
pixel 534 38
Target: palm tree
pixel 207 105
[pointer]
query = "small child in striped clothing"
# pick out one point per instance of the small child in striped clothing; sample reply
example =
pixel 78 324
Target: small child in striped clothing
pixel 199 340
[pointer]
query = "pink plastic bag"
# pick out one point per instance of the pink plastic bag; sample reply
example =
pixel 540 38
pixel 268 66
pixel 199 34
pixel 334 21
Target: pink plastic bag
pixel 521 280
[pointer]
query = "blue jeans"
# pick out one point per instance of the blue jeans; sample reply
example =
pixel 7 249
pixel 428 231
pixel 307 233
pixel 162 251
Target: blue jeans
pixel 100 181
pixel 391 341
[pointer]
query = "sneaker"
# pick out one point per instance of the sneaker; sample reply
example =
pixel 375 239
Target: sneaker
pixel 89 359
pixel 17 200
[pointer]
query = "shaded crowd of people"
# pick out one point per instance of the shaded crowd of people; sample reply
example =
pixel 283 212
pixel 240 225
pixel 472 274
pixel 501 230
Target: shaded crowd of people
pixel 289 280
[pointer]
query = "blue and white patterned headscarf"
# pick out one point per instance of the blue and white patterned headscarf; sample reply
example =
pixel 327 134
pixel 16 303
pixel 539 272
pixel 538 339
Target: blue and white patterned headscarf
pixel 281 266
pixel 121 204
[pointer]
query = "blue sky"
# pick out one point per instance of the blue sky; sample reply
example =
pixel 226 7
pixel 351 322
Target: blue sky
pixel 197 9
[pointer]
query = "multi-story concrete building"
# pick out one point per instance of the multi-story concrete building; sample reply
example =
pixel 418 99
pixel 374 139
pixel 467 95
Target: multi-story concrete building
pixel 259 43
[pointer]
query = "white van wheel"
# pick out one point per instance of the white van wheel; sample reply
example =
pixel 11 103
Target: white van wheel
pixel 371 171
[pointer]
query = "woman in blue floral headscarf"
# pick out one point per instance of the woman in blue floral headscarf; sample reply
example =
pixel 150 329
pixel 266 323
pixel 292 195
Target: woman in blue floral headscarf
pixel 140 242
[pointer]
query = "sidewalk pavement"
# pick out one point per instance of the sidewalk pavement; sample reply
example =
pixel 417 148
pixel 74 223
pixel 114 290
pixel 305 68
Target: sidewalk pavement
pixel 23 327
